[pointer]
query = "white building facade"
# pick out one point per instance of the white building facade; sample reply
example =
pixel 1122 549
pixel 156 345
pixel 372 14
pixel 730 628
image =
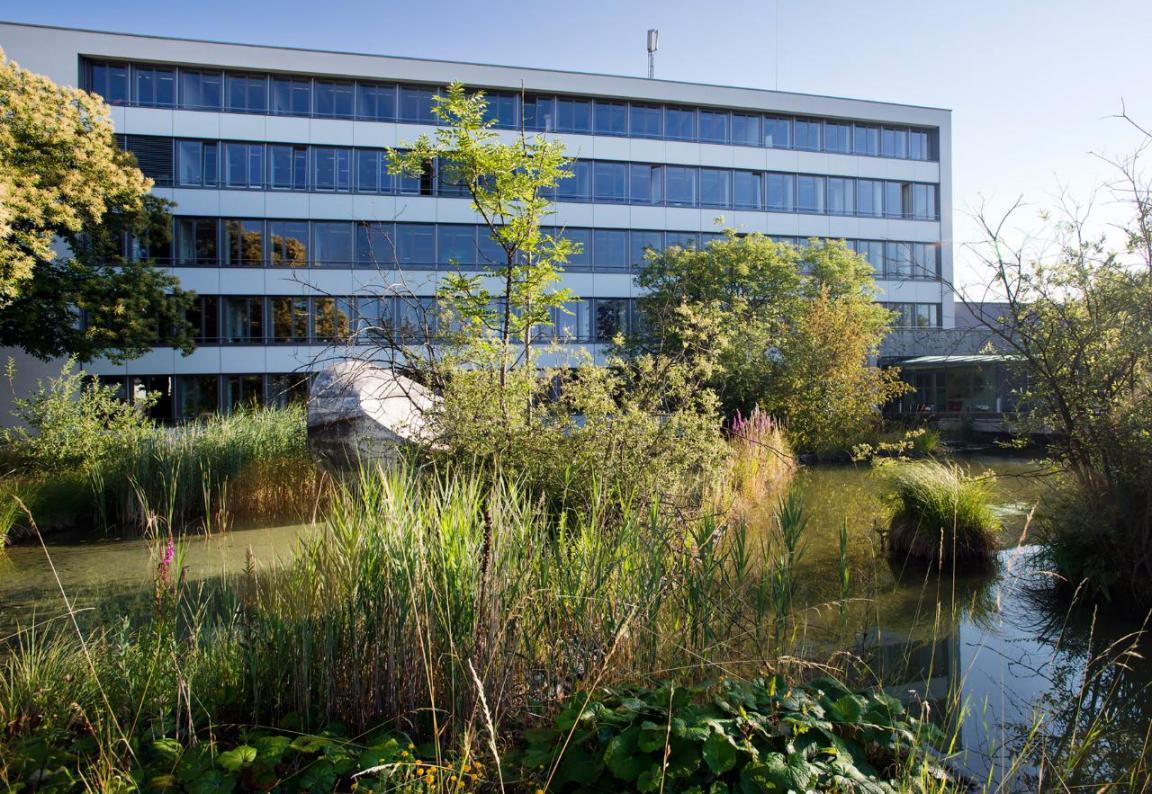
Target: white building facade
pixel 285 213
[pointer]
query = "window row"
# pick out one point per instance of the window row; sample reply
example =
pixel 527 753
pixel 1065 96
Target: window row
pixel 267 166
pixel 150 85
pixel 246 242
pixel 184 397
pixel 365 319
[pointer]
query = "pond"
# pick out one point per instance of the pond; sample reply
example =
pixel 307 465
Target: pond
pixel 996 658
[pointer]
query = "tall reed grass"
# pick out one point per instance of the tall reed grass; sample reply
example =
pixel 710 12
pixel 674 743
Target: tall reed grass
pixel 941 512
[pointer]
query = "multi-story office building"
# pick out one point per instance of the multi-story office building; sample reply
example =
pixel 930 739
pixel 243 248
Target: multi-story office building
pixel 285 211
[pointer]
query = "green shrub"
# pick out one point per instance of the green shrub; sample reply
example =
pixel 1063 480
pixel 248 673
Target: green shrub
pixel 941 512
pixel 761 735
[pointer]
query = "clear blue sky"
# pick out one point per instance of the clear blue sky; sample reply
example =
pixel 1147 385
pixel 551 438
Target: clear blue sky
pixel 1030 82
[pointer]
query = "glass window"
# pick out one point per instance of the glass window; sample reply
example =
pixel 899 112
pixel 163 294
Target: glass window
pixel 332 244
pixel 611 181
pixel 196 241
pixel 416 245
pixel 243 320
pixel 894 142
pixel 810 194
pixel 865 139
pixel 375 102
pixel 611 318
pixel 924 202
pixel 571 322
pixel 926 260
pixel 288 389
pixel 196 164
pixel 374 318
pixel 420 185
pixel 582 259
pixel 869 197
pixel 110 80
pixel 646 121
pixel 918 145
pixel 841 195
pixel 837 137
pixel 611 118
pixel 640 243
pixel 244 165
pixel 489 253
pixel 243 391
pixel 715 187
pixel 808 134
pixel 746 129
pixel 778 132
pixel 372 171
pixel 503 110
pixel 289 319
pixel 331 319
pixel 611 249
pixel 416 104
pixel 243 243
pixel 873 251
pixel 334 99
pixel 288 242
pixel 540 113
pixel 680 185
pixel 897 260
pixel 374 245
pixel 456 246
pixel 573 115
pixel 645 184
pixel 291 96
pixel 201 90
pixel 680 123
pixel 714 126
pixel 451 179
pixel 197 396
pixel 897 199
pixel 332 168
pixel 681 239
pixel 246 93
pixel 288 167
pixel 416 317
pixel 747 190
pixel 779 188
pixel 154 87
pixel 577 187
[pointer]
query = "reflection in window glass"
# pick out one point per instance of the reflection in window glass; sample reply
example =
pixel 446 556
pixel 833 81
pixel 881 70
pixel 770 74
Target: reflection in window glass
pixel 837 137
pixel 918 145
pixel 374 245
pixel 869 197
pixel 680 185
pixel 779 189
pixel 611 118
pixel 611 181
pixel 246 93
pixel 809 194
pixel 573 115
pixel 611 249
pixel 375 102
pixel 865 139
pixel 680 123
pixel 154 87
pixel 841 195
pixel 244 165
pixel 897 199
pixel 642 242
pixel 645 184
pixel 611 318
pixel 582 259
pixel 110 80
pixel 577 187
pixel 778 132
pixel 288 243
pixel 196 164
pixel 291 96
pixel 243 392
pixel 288 167
pixel 374 318
pixel 646 121
pixel 540 113
pixel 570 322
pixel 456 246
pixel 808 134
pixel 503 110
pixel 747 192
pixel 416 105
pixel 289 319
pixel 714 126
pixel 898 260
pixel 746 129
pixel 243 243
pixel 201 90
pixel 894 142
pixel 334 99
pixel 196 241
pixel 924 202
pixel 243 320
pixel 332 168
pixel 715 185
pixel 331 319
pixel 416 245
pixel 332 244
pixel 197 396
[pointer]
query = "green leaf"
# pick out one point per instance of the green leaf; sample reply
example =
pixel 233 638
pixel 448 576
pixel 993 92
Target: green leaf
pixel 719 753
pixel 237 758
pixel 652 736
pixel 271 748
pixel 622 756
pixel 649 779
pixel 169 749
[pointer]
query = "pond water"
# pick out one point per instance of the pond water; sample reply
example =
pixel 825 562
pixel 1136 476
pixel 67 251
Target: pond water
pixel 999 642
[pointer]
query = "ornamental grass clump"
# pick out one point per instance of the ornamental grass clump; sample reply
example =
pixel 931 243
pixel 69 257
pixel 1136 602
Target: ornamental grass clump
pixel 941 513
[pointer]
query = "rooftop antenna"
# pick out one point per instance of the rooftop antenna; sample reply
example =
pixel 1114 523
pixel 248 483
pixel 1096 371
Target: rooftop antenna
pixel 653 41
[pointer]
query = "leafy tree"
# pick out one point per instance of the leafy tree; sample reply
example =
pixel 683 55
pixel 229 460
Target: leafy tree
pixel 71 199
pixel 509 184
pixel 771 325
